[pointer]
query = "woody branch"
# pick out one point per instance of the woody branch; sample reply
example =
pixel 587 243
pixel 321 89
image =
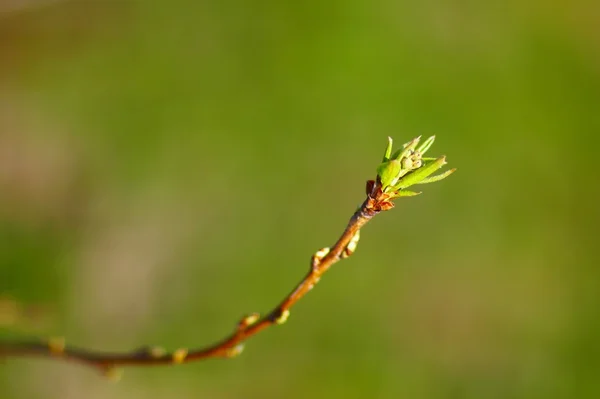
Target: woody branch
pixel 398 171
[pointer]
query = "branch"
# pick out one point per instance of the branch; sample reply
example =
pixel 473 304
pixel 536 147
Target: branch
pixel 397 172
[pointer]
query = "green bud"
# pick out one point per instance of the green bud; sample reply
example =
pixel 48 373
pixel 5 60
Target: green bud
pixel 407 167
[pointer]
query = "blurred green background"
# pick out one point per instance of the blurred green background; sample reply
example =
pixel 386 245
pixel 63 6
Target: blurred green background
pixel 166 168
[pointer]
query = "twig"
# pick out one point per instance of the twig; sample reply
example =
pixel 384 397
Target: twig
pixel 379 196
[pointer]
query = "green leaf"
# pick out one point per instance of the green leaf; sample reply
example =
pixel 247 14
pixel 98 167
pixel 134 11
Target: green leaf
pixel 388 150
pixel 406 193
pixel 421 173
pixel 432 179
pixel 403 152
pixel 389 173
pixel 426 145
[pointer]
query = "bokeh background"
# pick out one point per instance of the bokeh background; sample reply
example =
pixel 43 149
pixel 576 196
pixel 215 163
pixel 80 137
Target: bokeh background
pixel 166 167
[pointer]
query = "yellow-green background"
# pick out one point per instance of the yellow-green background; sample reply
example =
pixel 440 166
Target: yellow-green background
pixel 166 167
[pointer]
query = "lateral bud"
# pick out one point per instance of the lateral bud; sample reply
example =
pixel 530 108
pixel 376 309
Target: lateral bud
pixel 56 345
pixel 351 247
pixel 112 373
pixel 156 352
pixel 283 317
pixel 248 320
pixel 235 351
pixel 179 355
pixel 318 257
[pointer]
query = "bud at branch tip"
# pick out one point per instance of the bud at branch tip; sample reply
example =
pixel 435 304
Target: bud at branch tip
pixel 407 167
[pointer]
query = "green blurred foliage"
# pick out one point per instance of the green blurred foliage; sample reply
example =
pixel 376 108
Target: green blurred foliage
pixel 166 168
